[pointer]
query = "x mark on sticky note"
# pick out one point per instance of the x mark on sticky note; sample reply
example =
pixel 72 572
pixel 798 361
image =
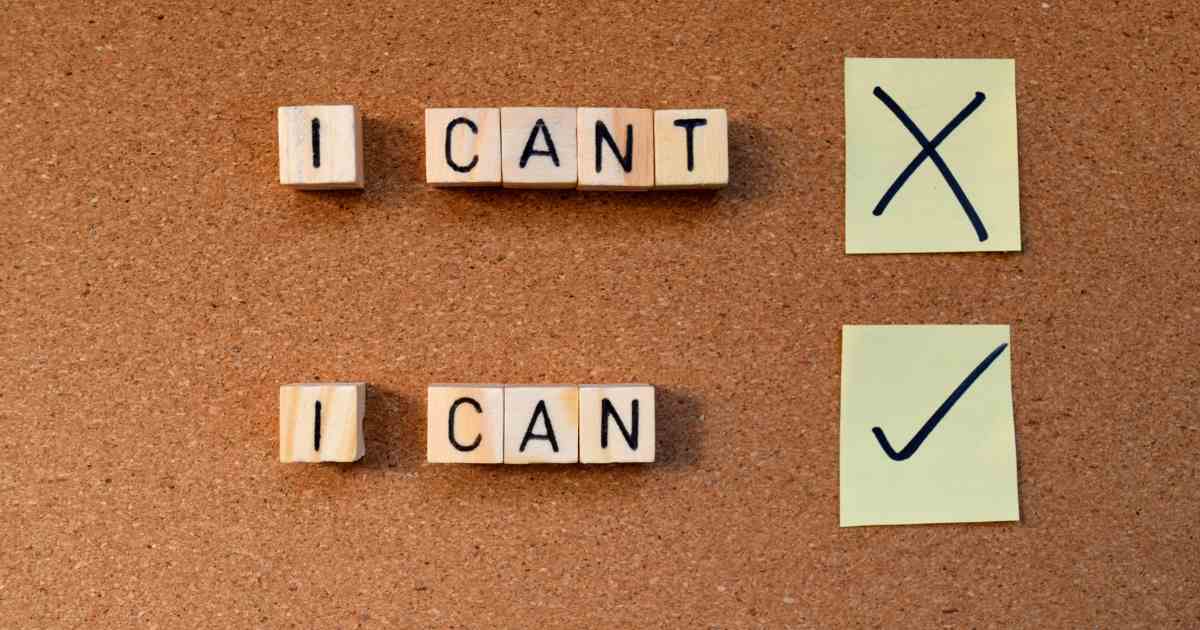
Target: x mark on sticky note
pixel 929 150
pixel 931 424
pixel 931 156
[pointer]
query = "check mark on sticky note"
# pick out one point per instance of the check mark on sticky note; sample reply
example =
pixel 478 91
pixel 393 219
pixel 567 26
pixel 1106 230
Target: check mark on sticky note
pixel 931 424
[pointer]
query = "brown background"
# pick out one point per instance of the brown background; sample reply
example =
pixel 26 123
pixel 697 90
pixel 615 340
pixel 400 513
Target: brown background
pixel 158 287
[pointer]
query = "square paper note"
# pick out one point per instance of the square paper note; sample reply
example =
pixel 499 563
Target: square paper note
pixel 931 156
pixel 927 425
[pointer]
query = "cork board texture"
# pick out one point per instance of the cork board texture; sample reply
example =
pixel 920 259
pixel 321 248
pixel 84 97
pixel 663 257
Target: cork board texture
pixel 159 285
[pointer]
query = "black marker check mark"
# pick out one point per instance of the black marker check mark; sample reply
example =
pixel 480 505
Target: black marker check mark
pixel 941 412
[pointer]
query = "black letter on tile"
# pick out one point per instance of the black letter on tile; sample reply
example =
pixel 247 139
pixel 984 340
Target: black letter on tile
pixel 690 124
pixel 316 142
pixel 606 410
pixel 530 435
pixel 449 131
pixel 603 134
pixel 529 151
pixel 478 438
pixel 317 429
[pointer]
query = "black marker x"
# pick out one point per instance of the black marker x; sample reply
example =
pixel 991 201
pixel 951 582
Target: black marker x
pixel 929 150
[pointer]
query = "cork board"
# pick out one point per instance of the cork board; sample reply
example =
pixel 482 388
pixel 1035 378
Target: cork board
pixel 158 286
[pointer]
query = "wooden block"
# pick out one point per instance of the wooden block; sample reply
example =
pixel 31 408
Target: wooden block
pixel 322 422
pixel 462 146
pixel 691 148
pixel 466 424
pixel 616 423
pixel 616 148
pixel 541 424
pixel 321 147
pixel 538 147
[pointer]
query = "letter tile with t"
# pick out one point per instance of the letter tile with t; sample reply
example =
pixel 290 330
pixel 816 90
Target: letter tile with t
pixel 462 146
pixel 541 424
pixel 465 424
pixel 691 148
pixel 616 423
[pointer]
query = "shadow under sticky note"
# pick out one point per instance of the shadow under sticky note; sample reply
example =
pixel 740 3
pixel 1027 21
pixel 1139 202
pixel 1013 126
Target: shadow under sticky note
pixel 927 430
pixel 931 156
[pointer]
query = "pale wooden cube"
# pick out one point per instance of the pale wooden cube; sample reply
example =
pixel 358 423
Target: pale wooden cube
pixel 462 146
pixel 322 422
pixel 321 147
pixel 538 147
pixel 616 148
pixel 616 423
pixel 691 148
pixel 541 424
pixel 465 424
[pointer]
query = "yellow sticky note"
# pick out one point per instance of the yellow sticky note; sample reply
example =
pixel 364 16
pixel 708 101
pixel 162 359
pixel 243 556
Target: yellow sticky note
pixel 931 156
pixel 927 425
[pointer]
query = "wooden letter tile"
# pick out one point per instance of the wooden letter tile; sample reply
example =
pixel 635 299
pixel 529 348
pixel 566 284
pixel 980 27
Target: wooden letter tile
pixel 616 149
pixel 320 147
pixel 616 423
pixel 538 147
pixel 322 422
pixel 541 424
pixel 691 148
pixel 462 146
pixel 466 424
